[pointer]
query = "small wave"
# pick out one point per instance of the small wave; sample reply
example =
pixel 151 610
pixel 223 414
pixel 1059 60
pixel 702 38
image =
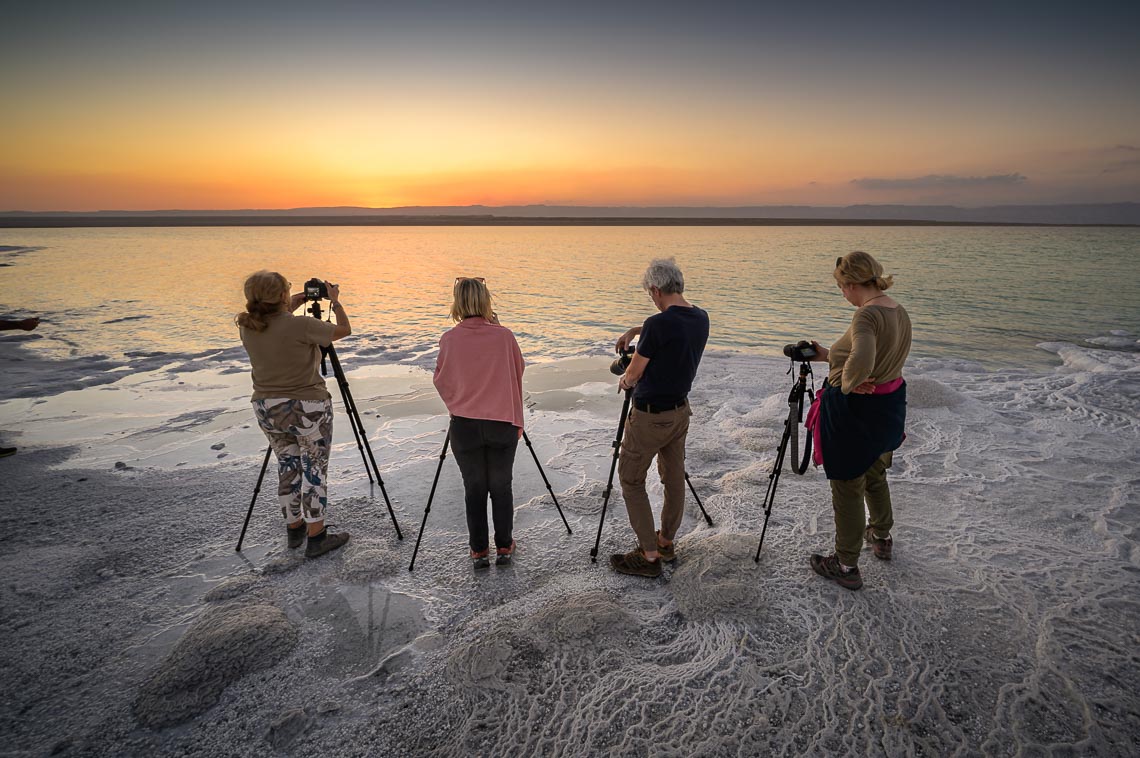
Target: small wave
pixel 126 318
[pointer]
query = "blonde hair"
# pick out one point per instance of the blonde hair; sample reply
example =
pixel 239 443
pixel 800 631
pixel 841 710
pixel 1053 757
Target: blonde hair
pixel 862 268
pixel 265 293
pixel 471 298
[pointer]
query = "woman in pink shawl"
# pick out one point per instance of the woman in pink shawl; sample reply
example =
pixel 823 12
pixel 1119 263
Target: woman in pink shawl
pixel 479 376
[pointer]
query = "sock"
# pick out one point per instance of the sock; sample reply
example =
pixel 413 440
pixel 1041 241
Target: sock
pixel 845 568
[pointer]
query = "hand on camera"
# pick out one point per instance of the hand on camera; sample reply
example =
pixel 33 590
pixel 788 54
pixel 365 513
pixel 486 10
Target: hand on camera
pixel 334 292
pixel 820 351
pixel 625 339
pixel 296 301
pixel 866 388
pixel 624 384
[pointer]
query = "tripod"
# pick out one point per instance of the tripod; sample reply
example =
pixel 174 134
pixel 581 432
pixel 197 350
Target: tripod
pixel 357 432
pixel 435 482
pixel 613 467
pixel 791 432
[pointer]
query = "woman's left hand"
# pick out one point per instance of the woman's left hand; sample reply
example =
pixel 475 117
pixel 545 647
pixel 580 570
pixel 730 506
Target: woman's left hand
pixel 866 388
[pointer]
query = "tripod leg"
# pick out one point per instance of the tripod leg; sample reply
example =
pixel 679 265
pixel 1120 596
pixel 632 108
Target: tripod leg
pixel 610 483
pixel 256 490
pixel 431 496
pixel 773 482
pixel 547 482
pixel 350 403
pixel 696 497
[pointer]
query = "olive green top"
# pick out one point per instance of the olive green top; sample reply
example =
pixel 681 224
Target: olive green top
pixel 875 345
pixel 286 357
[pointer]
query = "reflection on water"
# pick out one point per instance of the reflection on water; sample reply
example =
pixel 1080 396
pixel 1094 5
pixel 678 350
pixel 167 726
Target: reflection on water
pixel 981 293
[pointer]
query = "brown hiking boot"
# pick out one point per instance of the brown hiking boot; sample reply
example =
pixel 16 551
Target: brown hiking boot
pixel 828 567
pixel 324 542
pixel 880 546
pixel 296 535
pixel 635 564
pixel 667 553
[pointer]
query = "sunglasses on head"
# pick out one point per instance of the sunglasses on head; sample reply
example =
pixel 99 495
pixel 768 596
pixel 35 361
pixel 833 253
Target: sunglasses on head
pixel 479 279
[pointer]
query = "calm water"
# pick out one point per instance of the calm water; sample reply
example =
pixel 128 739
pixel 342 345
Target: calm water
pixel 988 294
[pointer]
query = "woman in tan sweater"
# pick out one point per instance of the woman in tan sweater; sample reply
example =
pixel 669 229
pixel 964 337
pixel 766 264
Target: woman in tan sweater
pixel 862 415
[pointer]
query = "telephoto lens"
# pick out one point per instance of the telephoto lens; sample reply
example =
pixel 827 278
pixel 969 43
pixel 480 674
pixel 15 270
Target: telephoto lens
pixel 621 363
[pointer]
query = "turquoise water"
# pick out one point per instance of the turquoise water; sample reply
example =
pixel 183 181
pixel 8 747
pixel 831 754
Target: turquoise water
pixel 987 294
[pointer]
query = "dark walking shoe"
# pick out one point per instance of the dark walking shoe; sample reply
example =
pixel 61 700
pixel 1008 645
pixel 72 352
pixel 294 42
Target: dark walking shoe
pixel 881 547
pixel 828 567
pixel 504 555
pixel 296 535
pixel 479 559
pixel 635 564
pixel 667 553
pixel 6 451
pixel 324 542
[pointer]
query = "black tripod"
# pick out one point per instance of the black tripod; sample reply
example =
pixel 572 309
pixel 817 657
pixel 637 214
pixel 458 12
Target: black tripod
pixel 791 432
pixel 357 432
pixel 613 467
pixel 435 482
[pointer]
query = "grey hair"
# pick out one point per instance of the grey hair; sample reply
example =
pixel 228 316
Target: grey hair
pixel 665 275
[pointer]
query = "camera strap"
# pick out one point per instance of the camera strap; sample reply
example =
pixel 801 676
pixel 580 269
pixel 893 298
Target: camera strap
pixel 796 417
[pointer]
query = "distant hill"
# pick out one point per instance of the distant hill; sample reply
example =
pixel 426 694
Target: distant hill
pixel 1114 214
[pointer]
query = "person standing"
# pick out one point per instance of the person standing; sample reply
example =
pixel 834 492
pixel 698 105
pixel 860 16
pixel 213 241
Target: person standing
pixel 478 374
pixel 862 413
pixel 290 400
pixel 660 375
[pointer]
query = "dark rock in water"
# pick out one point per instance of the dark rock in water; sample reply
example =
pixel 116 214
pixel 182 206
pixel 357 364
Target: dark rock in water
pixel 223 455
pixel 217 446
pixel 222 646
pixel 289 727
pixel 119 465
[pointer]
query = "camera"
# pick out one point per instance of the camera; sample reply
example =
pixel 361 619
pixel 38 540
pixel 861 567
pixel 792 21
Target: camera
pixel 801 351
pixel 315 289
pixel 621 363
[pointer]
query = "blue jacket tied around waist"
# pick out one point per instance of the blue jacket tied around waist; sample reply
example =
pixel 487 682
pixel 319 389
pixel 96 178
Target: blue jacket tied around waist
pixel 856 429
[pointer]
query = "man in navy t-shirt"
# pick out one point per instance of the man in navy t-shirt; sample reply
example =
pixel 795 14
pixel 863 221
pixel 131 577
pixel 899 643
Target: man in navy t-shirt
pixel 660 375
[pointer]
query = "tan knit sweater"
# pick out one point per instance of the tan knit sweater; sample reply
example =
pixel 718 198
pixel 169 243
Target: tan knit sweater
pixel 875 345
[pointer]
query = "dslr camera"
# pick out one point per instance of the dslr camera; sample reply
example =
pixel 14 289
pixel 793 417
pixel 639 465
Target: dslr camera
pixel 802 351
pixel 315 289
pixel 621 363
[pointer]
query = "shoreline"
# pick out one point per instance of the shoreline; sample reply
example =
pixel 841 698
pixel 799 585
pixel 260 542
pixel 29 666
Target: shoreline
pixel 80 221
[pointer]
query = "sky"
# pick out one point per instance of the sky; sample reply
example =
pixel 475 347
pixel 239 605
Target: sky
pixel 225 105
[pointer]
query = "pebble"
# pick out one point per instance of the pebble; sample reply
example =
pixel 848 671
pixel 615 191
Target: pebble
pixel 217 446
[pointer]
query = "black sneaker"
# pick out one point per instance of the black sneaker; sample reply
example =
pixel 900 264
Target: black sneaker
pixel 324 542
pixel 881 547
pixel 828 567
pixel 635 563
pixel 503 555
pixel 296 535
pixel 479 558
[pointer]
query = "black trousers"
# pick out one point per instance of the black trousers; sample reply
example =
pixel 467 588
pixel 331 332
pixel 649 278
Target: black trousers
pixel 485 452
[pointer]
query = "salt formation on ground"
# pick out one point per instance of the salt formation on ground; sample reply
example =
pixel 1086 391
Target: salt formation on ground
pixel 225 644
pixel 1006 623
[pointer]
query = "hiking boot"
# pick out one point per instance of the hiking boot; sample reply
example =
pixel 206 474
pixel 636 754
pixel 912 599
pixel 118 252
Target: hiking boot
pixel 296 535
pixel 635 564
pixel 324 542
pixel 828 567
pixel 880 546
pixel 479 558
pixel 667 553
pixel 504 555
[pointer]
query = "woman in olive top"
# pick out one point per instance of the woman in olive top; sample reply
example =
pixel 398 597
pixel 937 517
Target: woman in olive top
pixel 861 416
pixel 290 401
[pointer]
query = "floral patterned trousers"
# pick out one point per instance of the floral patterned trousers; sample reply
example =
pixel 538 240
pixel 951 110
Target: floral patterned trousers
pixel 300 433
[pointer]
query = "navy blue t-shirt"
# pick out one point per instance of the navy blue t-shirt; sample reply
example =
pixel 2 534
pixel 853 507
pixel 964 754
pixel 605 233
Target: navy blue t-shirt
pixel 673 341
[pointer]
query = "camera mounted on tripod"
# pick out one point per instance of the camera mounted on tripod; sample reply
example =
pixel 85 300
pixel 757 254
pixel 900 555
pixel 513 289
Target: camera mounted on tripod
pixel 802 351
pixel 621 363
pixel 315 290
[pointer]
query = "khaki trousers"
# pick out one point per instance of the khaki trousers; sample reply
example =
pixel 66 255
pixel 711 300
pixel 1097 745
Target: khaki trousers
pixel 647 435
pixel 847 497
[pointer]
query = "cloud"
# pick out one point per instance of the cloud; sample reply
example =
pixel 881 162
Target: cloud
pixel 941 181
pixel 1116 168
pixel 1128 148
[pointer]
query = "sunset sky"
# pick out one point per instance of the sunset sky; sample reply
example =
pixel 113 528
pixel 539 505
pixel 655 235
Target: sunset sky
pixel 149 105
